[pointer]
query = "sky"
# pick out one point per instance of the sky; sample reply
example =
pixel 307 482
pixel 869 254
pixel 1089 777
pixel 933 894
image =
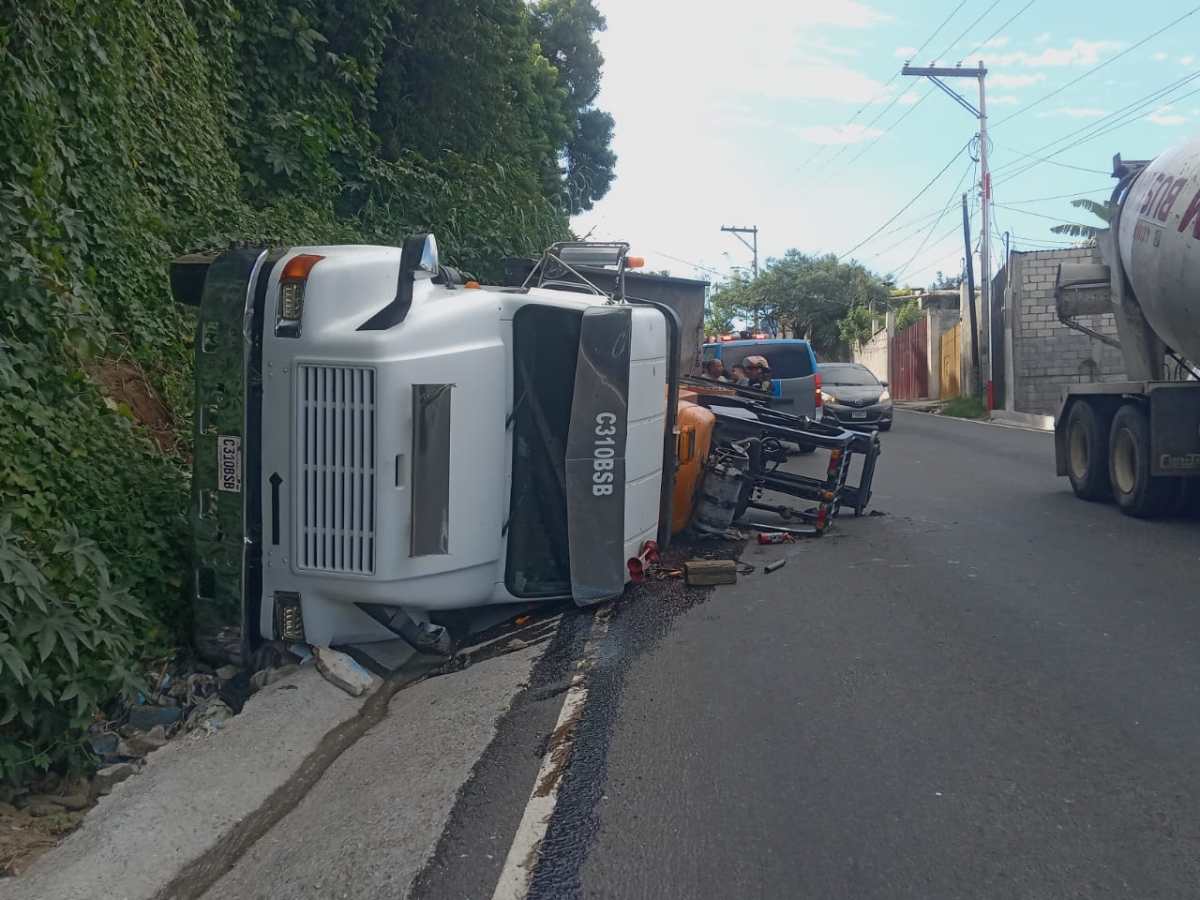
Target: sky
pixel 791 115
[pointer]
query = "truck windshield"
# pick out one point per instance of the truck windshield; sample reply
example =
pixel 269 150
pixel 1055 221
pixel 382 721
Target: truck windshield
pixel 545 346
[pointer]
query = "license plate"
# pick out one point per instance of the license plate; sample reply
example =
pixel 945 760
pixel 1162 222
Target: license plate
pixel 858 414
pixel 229 463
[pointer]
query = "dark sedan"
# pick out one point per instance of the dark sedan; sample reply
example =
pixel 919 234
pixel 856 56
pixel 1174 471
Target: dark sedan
pixel 854 398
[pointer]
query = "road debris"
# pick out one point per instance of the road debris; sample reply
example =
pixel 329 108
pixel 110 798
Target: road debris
pixel 775 537
pixel 342 671
pixel 774 566
pixel 703 572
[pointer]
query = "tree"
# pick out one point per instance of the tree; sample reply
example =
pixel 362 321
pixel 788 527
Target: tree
pixel 946 282
pixel 809 295
pixel 1102 211
pixel 724 305
pixel 565 30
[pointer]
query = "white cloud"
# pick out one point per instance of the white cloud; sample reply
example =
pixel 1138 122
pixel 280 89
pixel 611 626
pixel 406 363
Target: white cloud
pixel 1042 38
pixel 842 14
pixel 909 98
pixel 839 134
pixel 1000 41
pixel 1159 56
pixel 1079 53
pixel 1164 116
pixel 1014 81
pixel 1003 100
pixel 904 52
pixel 1075 112
pixel 1186 60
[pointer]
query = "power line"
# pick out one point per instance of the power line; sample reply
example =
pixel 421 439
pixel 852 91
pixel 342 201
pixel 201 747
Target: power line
pixel 907 205
pixel 908 112
pixel 1101 132
pixel 968 28
pixel 1007 22
pixel 687 262
pixel 1136 105
pixel 881 91
pixel 938 30
pixel 879 137
pixel 1027 212
pixel 1106 189
pixel 1043 159
pixel 1097 68
pixel 954 194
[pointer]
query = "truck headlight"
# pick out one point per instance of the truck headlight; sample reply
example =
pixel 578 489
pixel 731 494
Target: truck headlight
pixel 885 396
pixel 827 397
pixel 289 311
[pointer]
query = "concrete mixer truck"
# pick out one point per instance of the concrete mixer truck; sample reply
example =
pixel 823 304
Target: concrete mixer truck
pixel 1138 441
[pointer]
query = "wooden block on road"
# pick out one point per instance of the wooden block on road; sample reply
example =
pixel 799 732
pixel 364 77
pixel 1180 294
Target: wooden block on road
pixel 701 572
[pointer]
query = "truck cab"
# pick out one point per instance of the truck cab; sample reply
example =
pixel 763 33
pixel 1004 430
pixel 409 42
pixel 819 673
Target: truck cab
pixel 381 442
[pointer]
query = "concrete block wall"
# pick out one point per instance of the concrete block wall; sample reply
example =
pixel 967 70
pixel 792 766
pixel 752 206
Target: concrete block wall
pixel 1047 355
pixel 874 354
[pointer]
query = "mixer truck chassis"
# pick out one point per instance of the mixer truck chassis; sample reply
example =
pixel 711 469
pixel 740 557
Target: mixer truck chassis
pixel 1136 442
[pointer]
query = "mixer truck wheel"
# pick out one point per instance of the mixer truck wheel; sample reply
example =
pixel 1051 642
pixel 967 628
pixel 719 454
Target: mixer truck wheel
pixel 1136 492
pixel 1087 453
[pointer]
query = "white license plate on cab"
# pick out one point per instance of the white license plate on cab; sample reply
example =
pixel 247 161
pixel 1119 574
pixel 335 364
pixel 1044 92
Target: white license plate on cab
pixel 858 414
pixel 229 463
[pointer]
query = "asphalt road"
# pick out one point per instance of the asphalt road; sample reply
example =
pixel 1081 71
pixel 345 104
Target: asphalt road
pixel 991 691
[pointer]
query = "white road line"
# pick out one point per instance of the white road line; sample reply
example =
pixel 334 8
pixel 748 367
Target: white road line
pixel 523 854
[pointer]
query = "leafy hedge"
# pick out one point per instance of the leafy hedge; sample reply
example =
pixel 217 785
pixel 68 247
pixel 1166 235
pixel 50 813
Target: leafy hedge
pixel 134 132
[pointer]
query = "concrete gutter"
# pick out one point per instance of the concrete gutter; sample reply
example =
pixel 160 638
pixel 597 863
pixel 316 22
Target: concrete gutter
pixel 1023 420
pixel 190 795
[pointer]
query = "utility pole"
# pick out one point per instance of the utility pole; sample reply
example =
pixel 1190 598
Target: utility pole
pixel 971 291
pixel 737 231
pixel 936 74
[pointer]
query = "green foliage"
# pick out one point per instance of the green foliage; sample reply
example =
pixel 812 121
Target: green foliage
pixel 137 132
pixel 945 282
pixel 965 408
pixel 66 647
pixel 857 326
pixel 810 295
pixel 565 29
pixel 908 313
pixel 1102 211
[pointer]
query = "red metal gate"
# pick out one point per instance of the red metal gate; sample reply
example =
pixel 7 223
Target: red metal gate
pixel 910 362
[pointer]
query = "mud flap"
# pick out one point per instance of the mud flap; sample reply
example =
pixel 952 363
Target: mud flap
pixel 595 465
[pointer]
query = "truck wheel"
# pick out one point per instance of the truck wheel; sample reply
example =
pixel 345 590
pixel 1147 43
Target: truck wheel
pixel 1136 492
pixel 1087 453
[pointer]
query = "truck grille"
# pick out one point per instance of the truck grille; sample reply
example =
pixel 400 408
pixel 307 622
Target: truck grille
pixel 336 524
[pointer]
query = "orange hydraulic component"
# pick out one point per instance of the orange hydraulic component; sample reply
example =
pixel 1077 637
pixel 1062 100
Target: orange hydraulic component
pixel 695 426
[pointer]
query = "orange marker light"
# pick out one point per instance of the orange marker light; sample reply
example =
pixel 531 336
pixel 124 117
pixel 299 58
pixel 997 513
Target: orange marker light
pixel 298 267
pixel 472 285
pixel 634 262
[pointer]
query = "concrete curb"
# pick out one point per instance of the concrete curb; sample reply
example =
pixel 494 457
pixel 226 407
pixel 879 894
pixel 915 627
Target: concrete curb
pixel 1026 420
pixel 189 796
pixel 1017 426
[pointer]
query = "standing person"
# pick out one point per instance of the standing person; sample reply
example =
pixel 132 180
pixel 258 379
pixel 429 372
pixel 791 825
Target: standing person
pixel 715 369
pixel 758 373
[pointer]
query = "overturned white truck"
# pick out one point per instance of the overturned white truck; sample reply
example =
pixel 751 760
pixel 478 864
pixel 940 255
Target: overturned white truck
pixel 381 443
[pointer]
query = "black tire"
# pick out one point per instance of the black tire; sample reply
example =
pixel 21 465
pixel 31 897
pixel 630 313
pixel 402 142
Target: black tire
pixel 1087 452
pixel 1136 492
pixel 886 426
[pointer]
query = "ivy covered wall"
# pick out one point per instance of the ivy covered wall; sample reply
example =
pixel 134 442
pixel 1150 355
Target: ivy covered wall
pixel 136 131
